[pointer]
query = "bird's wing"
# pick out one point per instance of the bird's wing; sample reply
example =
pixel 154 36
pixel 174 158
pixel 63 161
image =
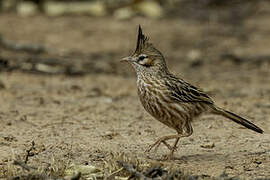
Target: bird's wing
pixel 182 91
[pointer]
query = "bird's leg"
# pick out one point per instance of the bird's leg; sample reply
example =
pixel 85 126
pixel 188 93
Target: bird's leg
pixel 175 143
pixel 166 144
pixel 164 139
pixel 158 142
pixel 174 148
pixel 186 131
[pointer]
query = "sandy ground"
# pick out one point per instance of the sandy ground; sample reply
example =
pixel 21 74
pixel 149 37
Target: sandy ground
pixel 86 118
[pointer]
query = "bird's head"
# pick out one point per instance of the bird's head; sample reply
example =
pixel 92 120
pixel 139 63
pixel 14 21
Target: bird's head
pixel 146 58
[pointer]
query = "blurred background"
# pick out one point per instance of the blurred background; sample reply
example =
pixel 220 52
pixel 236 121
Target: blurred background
pixel 63 87
pixel 97 33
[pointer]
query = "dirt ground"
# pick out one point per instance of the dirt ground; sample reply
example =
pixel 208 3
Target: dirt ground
pixel 84 119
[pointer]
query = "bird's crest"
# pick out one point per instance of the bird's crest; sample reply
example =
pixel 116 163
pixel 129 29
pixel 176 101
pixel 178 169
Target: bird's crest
pixel 141 41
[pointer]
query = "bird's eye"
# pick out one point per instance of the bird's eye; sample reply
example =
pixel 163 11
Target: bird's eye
pixel 141 57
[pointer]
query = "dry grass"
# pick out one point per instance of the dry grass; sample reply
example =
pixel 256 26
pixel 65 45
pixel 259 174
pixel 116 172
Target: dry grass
pixel 115 166
pixel 20 170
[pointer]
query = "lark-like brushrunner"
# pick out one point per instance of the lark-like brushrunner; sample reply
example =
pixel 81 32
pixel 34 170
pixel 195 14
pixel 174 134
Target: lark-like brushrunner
pixel 169 99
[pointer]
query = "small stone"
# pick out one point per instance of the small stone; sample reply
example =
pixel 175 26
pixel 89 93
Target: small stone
pixel 59 8
pixel 89 171
pixel 123 13
pixel 110 135
pixel 107 100
pixel 258 162
pixel 27 8
pixel 210 126
pixel 209 145
pixel 194 54
pixel 150 9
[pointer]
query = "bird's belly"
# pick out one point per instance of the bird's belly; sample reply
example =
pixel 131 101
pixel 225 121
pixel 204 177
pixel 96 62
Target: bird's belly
pixel 169 113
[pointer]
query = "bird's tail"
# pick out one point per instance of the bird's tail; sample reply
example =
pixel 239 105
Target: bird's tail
pixel 237 119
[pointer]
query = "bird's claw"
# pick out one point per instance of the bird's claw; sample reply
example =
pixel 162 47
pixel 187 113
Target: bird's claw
pixel 157 144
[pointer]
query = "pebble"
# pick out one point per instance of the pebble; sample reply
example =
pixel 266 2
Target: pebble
pixel 209 145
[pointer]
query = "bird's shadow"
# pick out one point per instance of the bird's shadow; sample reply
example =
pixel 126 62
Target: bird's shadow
pixel 203 157
pixel 195 157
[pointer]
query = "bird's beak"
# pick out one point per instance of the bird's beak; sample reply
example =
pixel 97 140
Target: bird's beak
pixel 128 59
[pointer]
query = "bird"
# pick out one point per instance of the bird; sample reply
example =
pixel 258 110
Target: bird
pixel 170 99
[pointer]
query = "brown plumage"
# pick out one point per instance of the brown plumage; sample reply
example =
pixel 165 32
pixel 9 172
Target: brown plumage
pixel 169 99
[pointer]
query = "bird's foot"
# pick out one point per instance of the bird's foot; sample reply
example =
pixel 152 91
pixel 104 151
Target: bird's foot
pixel 158 142
pixel 170 155
pixel 164 141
